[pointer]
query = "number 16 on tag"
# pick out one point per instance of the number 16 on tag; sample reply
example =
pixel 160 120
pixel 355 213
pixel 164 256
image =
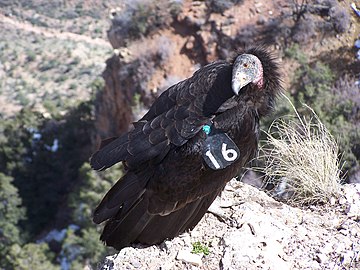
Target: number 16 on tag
pixel 228 155
pixel 218 154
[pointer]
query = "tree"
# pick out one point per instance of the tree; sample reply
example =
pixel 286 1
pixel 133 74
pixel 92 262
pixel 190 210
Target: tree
pixel 82 246
pixel 11 212
pixel 31 256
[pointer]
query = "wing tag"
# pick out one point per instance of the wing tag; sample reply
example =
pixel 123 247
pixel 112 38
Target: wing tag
pixel 219 151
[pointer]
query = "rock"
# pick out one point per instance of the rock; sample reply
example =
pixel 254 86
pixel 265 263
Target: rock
pixel 188 257
pixel 261 20
pixel 351 192
pixel 113 103
pixel 353 210
pixel 327 249
pixel 351 199
pixel 342 201
pixel 216 209
pixel 259 233
pixel 343 232
pixel 332 200
pixel 190 43
pixel 257 237
pixel 347 257
pixel 108 264
pixel 226 204
pixel 253 179
pixel 355 9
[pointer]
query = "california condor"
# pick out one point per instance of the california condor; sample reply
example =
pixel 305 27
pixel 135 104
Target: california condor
pixel 197 136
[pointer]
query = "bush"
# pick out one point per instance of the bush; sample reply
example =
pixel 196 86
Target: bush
pixel 299 23
pixel 301 160
pixel 296 53
pixel 11 212
pixel 304 30
pixel 81 249
pixel 220 6
pixel 90 191
pixel 84 247
pixel 340 19
pixel 140 18
pixel 343 117
pixel 43 157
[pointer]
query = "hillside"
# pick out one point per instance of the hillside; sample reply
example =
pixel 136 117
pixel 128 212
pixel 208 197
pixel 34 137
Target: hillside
pixel 47 62
pixel 75 72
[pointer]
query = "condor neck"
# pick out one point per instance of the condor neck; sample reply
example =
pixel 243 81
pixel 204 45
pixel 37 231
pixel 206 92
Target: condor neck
pixel 220 92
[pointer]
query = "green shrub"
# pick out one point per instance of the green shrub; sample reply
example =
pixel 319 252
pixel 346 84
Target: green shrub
pixel 11 212
pixel 200 248
pixel 83 200
pixel 335 102
pixel 139 18
pixel 31 256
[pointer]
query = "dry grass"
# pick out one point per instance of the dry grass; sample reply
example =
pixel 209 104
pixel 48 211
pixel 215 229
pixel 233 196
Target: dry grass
pixel 301 160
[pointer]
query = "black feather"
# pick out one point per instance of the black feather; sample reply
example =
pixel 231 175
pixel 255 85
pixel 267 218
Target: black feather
pixel 123 195
pixel 111 152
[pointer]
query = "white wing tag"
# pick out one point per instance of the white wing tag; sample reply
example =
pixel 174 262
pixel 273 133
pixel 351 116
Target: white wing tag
pixel 219 151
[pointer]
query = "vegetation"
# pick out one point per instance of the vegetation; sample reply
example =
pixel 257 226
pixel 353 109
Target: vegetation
pixel 301 22
pixel 140 18
pixel 301 160
pixel 44 172
pixel 335 102
pixel 35 74
pixel 31 256
pixel 11 212
pixel 83 200
pixel 200 248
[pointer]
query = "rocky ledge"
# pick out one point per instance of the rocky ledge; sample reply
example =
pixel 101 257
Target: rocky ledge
pixel 247 229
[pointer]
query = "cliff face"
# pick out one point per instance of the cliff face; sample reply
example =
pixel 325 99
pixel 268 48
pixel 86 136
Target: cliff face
pixel 141 68
pixel 173 41
pixel 113 105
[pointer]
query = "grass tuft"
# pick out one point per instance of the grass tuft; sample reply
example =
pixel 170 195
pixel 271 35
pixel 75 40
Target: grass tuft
pixel 301 160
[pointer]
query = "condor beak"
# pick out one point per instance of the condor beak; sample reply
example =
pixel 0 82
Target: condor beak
pixel 240 79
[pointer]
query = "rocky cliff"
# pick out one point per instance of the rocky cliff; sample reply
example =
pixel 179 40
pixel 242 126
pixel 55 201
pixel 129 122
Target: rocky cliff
pixel 246 229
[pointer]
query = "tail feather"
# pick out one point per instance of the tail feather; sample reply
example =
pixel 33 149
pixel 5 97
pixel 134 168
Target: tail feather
pixel 141 226
pixel 169 226
pixel 121 197
pixel 200 211
pixel 119 233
